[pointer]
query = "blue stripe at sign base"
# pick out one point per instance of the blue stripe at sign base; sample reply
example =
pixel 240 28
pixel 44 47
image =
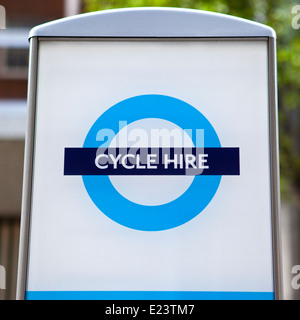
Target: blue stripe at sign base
pixel 152 161
pixel 147 295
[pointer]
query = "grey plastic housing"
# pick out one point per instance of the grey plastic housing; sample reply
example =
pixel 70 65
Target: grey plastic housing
pixel 152 22
pixel 158 24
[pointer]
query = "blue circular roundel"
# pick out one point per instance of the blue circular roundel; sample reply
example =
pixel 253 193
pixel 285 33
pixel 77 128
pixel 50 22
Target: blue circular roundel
pixel 160 217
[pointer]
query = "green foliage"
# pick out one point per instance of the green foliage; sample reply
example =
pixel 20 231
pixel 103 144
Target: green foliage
pixel 277 14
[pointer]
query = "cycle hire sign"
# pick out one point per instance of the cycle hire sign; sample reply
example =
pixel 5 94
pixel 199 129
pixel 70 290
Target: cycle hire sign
pixel 151 167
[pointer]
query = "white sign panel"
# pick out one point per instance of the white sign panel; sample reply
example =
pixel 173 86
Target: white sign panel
pixel 151 170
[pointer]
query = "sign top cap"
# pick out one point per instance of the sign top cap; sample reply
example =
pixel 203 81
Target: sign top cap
pixel 152 22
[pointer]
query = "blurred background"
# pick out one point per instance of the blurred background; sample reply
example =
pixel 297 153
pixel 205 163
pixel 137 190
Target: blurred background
pixel 22 15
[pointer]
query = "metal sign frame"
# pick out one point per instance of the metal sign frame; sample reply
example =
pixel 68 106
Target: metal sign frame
pixel 150 24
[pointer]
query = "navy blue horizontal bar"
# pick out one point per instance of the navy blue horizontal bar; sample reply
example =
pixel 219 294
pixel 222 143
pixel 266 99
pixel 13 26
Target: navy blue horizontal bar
pixel 152 161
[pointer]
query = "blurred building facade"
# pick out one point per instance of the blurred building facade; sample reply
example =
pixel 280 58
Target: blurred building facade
pixel 21 16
